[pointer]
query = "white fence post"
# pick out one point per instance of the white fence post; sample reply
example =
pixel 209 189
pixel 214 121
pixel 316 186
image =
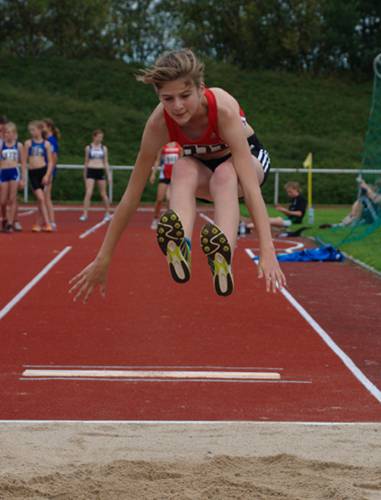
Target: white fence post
pixel 26 190
pixel 276 188
pixel 111 185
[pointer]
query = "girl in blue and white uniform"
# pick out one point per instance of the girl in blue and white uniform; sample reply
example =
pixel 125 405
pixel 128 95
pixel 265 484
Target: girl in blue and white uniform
pixel 52 134
pixel 11 156
pixel 38 153
pixel 96 169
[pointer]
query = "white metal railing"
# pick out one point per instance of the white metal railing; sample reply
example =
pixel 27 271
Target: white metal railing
pixel 274 171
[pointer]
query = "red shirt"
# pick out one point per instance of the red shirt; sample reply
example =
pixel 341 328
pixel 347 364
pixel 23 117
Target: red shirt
pixel 210 141
pixel 170 155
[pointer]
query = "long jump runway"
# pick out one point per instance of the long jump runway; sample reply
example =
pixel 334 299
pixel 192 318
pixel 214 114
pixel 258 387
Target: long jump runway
pixel 158 351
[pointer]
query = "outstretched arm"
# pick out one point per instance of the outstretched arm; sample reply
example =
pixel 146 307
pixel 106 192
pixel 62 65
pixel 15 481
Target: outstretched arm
pixel 232 132
pixel 154 136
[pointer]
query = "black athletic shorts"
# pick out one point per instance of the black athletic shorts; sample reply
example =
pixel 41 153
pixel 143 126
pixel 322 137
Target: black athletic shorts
pixel 256 149
pixel 35 177
pixel 165 181
pixel 98 174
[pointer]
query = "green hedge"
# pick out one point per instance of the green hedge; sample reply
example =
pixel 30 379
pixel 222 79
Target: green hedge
pixel 292 114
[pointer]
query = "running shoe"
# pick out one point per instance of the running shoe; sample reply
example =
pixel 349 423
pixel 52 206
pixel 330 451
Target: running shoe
pixel 36 228
pixel 83 218
pixel 17 226
pixel 107 217
pixel 154 224
pixel 4 224
pixel 216 247
pixel 8 228
pixel 54 226
pixel 47 228
pixel 171 239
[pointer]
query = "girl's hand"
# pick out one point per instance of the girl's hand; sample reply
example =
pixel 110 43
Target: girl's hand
pixel 152 177
pixel 93 275
pixel 269 269
pixel 21 184
pixel 45 180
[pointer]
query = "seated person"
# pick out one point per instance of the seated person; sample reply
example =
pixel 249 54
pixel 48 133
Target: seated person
pixel 294 214
pixel 366 208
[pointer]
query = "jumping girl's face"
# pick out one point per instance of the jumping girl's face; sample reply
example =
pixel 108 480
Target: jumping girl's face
pixel 181 99
pixel 97 138
pixel 35 132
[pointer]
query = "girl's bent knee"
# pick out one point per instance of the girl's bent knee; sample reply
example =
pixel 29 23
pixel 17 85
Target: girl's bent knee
pixel 224 175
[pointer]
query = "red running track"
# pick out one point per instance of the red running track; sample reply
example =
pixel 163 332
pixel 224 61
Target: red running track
pixel 149 321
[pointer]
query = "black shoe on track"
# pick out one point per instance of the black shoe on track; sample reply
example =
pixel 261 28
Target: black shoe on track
pixel 216 247
pixel 171 240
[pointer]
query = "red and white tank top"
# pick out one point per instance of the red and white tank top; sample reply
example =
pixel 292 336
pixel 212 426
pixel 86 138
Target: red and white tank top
pixel 170 154
pixel 210 141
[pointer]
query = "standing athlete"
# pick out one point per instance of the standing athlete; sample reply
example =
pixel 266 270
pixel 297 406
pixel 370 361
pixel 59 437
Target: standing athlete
pixel 168 157
pixel 222 160
pixel 11 156
pixel 38 154
pixel 96 169
pixel 52 134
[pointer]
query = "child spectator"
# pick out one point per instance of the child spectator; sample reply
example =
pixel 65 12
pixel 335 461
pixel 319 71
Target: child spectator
pixel 294 214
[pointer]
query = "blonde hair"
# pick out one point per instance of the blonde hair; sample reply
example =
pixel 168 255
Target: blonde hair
pixel 171 66
pixel 36 123
pixel 11 127
pixel 293 185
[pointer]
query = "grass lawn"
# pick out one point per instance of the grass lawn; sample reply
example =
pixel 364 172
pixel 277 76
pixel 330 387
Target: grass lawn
pixel 368 250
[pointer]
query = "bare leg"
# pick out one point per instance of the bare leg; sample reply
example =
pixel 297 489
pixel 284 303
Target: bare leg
pixel 12 200
pixel 102 191
pixel 189 177
pixel 89 193
pixel 49 203
pixel 278 222
pixel 223 187
pixel 43 211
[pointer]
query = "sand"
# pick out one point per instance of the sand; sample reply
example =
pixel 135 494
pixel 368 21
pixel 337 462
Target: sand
pixel 222 461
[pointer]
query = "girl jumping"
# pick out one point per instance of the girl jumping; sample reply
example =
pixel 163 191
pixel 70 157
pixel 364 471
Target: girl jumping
pixel 11 156
pixel 39 157
pixel 222 161
pixel 96 169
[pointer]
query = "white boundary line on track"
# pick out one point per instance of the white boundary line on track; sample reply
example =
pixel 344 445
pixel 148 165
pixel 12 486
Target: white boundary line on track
pixel 92 229
pixel 5 310
pixel 156 367
pixel 355 370
pixel 205 217
pixel 24 213
pixel 190 422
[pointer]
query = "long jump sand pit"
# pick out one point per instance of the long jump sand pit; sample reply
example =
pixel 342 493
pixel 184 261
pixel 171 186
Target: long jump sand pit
pixel 221 461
